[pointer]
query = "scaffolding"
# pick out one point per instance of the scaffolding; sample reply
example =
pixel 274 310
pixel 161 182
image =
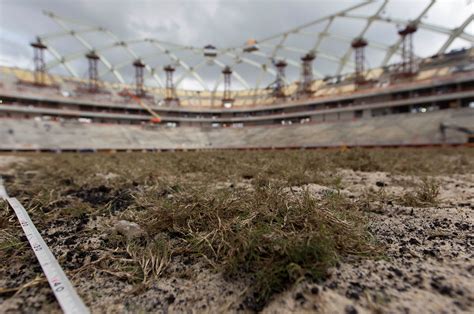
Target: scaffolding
pixel 280 79
pixel 408 66
pixel 139 66
pixel 227 100
pixel 359 44
pixel 170 91
pixel 93 60
pixel 307 73
pixel 38 59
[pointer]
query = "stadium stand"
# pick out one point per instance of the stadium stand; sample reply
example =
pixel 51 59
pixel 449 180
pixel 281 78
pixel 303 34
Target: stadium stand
pixel 393 130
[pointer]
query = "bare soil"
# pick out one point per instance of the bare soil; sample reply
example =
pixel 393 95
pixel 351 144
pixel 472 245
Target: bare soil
pixel 429 264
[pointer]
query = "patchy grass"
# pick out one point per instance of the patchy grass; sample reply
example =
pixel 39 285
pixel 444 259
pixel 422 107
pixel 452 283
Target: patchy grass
pixel 275 238
pixel 425 194
pixel 229 211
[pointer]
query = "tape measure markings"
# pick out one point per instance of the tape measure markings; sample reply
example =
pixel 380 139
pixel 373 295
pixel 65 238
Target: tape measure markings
pixel 65 293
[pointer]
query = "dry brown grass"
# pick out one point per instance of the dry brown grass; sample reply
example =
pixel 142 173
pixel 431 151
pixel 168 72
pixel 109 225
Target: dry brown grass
pixel 425 194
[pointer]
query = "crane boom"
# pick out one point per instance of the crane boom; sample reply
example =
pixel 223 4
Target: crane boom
pixel 155 117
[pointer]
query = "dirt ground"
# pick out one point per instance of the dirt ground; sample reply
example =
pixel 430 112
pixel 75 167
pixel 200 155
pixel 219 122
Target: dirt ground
pixel 427 264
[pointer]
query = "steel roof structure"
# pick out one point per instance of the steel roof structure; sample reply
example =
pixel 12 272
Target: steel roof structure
pixel 259 55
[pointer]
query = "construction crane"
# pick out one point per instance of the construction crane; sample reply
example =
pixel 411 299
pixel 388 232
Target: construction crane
pixel 443 127
pixel 155 117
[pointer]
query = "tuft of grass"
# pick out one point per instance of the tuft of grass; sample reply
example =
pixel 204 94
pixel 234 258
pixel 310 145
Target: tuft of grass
pixel 262 233
pixel 425 194
pixel 152 258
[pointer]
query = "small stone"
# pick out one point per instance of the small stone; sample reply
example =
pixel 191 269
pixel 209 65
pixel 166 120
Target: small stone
pixel 129 229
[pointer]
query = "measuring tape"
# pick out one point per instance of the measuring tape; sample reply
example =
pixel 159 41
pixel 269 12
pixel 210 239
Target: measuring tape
pixel 67 297
pixel 62 287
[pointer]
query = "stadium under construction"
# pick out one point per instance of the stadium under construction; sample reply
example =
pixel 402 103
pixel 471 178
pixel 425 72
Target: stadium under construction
pixel 415 101
pixel 166 163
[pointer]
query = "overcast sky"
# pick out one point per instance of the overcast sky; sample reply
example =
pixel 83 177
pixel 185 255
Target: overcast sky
pixel 220 22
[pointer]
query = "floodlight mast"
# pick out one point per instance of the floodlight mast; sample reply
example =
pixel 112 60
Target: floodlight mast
pixel 38 59
pixel 93 60
pixel 359 45
pixel 227 100
pixel 139 66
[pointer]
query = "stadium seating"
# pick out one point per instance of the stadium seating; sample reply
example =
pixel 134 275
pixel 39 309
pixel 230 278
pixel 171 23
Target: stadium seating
pixel 401 129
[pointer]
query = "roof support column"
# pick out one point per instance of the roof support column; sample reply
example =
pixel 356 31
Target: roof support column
pixel 170 91
pixel 280 79
pixel 359 45
pixel 93 59
pixel 307 73
pixel 227 100
pixel 139 66
pixel 38 59
pixel 408 66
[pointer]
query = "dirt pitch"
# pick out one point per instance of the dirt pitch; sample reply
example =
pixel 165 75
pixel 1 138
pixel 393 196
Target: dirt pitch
pixel 336 231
